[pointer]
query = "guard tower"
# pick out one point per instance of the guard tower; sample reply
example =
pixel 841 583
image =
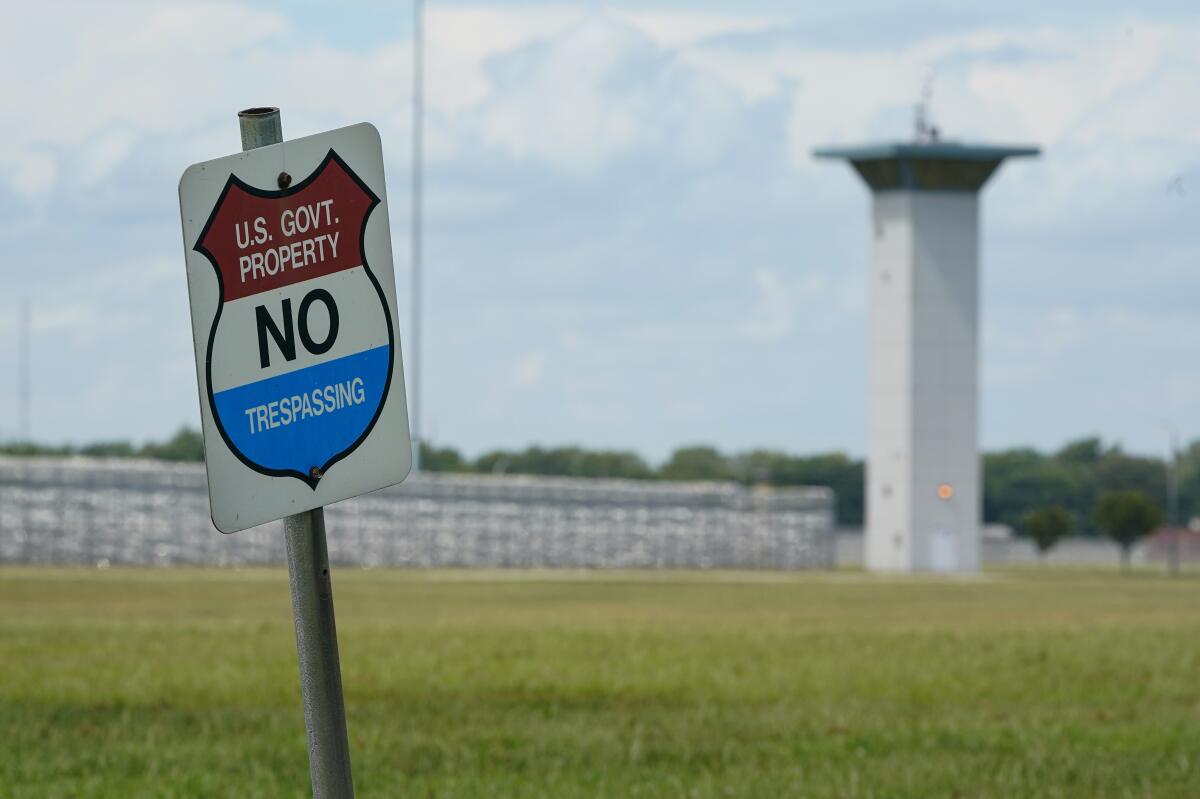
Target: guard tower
pixel 924 490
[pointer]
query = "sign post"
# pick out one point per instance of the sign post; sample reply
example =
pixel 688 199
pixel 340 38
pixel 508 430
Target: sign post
pixel 298 363
pixel 316 646
pixel 312 591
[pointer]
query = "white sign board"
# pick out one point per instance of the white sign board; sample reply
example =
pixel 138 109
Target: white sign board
pixel 293 295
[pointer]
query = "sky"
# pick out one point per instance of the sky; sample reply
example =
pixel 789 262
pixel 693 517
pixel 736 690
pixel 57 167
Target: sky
pixel 628 243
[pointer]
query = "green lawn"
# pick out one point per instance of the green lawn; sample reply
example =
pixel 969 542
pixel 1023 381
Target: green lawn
pixel 169 683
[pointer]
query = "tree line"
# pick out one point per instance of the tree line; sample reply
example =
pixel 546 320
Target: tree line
pixel 1017 482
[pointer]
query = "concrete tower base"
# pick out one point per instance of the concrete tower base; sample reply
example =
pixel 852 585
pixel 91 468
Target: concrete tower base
pixel 923 488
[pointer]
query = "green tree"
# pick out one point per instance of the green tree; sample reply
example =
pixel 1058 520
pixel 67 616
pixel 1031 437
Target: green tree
pixel 1016 481
pixel 1189 482
pixel 185 445
pixel 613 463
pixel 564 461
pixel 1118 471
pixel 845 475
pixel 696 463
pixel 1046 526
pixel 107 449
pixel 441 459
pixel 1078 460
pixel 1085 452
pixel 28 449
pixel 1125 517
pixel 1093 469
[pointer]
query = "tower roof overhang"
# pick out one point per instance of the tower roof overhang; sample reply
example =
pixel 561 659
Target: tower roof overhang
pixel 925 166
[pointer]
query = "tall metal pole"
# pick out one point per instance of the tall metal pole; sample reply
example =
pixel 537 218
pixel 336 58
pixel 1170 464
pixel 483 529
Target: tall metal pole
pixel 23 374
pixel 1173 522
pixel 312 593
pixel 418 124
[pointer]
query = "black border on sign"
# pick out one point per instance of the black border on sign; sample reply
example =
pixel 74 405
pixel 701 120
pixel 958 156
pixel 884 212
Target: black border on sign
pixel 199 247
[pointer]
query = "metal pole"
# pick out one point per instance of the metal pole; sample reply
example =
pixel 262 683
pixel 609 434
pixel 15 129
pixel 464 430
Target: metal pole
pixel 260 127
pixel 312 594
pixel 1173 504
pixel 23 374
pixel 316 645
pixel 418 123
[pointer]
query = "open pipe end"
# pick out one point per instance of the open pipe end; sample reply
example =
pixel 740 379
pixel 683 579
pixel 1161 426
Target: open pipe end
pixel 260 127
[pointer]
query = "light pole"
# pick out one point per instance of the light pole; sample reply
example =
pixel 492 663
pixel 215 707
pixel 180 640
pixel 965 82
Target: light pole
pixel 418 118
pixel 1173 502
pixel 23 375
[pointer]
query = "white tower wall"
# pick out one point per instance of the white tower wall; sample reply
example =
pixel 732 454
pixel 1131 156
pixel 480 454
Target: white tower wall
pixel 923 378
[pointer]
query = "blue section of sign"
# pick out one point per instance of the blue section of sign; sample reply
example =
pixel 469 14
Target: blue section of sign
pixel 301 419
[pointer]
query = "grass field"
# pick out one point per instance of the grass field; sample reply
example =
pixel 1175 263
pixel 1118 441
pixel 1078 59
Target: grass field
pixel 171 683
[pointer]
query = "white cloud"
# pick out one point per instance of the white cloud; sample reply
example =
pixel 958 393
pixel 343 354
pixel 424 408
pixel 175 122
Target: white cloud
pixel 633 190
pixel 33 174
pixel 677 29
pixel 577 89
pixel 150 66
pixel 1088 86
pixel 103 153
pixel 460 40
pixel 528 369
pixel 779 302
pixel 601 91
pixel 1029 347
pixel 552 101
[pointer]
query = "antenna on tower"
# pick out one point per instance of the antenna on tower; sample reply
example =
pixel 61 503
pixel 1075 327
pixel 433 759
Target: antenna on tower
pixel 23 373
pixel 925 131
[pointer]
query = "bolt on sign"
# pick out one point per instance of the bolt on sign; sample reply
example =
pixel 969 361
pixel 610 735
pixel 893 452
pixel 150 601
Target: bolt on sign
pixel 293 299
